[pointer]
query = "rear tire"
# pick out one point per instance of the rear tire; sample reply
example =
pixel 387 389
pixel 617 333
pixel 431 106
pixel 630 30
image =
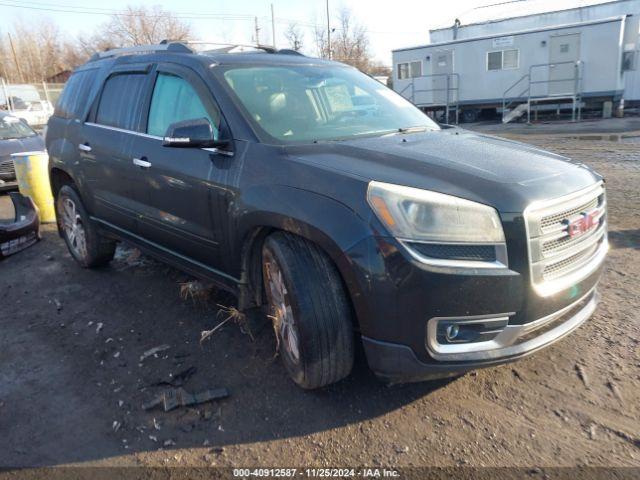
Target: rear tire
pixel 310 310
pixel 86 245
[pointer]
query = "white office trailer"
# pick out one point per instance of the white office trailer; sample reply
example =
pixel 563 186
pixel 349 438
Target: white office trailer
pixel 533 60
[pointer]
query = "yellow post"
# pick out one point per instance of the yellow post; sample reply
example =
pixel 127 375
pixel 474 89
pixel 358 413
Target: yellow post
pixel 32 173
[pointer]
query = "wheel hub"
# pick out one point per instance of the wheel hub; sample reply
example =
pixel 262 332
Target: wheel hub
pixel 73 227
pixel 283 314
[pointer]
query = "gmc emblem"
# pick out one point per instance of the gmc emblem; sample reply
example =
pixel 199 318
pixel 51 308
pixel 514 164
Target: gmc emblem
pixel 582 224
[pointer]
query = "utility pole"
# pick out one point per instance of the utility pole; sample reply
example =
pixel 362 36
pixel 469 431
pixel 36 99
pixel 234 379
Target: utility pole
pixel 257 31
pixel 328 33
pixel 273 27
pixel 15 57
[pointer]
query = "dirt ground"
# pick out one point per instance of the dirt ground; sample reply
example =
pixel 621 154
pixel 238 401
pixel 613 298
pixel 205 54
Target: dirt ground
pixel 72 382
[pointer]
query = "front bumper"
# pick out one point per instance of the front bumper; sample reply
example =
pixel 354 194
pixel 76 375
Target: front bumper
pixel 398 300
pixel 24 230
pixel 398 363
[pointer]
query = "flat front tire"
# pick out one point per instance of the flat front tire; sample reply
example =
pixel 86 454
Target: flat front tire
pixel 86 245
pixel 310 311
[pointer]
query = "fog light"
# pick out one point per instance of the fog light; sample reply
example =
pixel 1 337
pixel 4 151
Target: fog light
pixel 452 332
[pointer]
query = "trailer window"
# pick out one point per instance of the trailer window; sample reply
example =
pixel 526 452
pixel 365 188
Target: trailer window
pixel 409 70
pixel 503 59
pixel 628 61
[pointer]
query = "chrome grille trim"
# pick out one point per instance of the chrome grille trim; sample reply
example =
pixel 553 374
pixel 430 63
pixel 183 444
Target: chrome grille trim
pixel 556 259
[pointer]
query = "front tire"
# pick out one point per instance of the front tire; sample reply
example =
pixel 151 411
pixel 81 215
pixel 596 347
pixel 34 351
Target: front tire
pixel 86 245
pixel 310 310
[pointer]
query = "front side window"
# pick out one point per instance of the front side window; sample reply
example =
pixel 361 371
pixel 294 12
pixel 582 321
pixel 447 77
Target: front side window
pixel 121 101
pixel 299 103
pixel 175 100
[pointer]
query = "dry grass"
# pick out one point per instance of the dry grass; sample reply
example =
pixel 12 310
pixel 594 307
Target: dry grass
pixel 233 315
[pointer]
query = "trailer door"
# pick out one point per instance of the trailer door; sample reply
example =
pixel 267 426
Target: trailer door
pixel 442 66
pixel 563 48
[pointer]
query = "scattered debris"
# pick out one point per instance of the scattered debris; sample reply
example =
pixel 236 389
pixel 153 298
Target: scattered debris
pixel 169 443
pixel 153 438
pixel 179 397
pixel 153 351
pixel 232 314
pixel 156 424
pixel 58 304
pixel 99 327
pixel 177 380
pixel 592 431
pixel 120 403
pixel 116 355
pixel 582 374
pixel 196 290
pixel 206 442
pixel 116 425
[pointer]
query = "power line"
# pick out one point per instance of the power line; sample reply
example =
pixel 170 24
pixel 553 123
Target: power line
pixel 66 8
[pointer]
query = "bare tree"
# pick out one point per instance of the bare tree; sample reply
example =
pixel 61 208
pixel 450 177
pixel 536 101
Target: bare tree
pixel 38 52
pixel 320 38
pixel 295 36
pixel 350 42
pixel 144 25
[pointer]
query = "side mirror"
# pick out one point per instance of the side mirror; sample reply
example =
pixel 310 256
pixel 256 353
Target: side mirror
pixel 191 134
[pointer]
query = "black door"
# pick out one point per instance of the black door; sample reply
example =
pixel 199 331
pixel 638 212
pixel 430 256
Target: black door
pixel 182 206
pixel 105 144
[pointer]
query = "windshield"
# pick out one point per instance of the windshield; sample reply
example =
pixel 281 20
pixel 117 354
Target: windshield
pixel 300 103
pixel 12 127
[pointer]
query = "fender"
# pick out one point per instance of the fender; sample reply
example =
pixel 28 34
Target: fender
pixel 331 225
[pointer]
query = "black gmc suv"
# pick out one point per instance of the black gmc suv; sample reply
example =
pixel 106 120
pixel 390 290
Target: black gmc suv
pixel 309 187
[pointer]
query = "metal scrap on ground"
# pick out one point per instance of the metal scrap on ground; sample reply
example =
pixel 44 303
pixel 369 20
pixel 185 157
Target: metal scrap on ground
pixel 179 397
pixel 153 351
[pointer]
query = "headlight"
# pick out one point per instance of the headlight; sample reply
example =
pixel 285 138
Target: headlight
pixel 423 216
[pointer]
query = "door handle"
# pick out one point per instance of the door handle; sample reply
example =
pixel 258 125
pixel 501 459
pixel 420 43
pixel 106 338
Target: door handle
pixel 84 147
pixel 141 162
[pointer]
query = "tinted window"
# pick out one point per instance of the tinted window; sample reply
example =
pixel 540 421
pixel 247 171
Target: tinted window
pixel 121 101
pixel 73 101
pixel 175 100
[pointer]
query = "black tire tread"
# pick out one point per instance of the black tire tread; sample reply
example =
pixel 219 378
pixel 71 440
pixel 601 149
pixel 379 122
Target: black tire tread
pixel 323 309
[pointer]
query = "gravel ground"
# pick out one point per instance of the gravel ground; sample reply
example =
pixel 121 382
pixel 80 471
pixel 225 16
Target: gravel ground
pixel 72 383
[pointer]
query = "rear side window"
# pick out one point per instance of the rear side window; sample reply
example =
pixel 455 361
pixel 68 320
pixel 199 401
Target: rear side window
pixel 73 100
pixel 121 101
pixel 175 100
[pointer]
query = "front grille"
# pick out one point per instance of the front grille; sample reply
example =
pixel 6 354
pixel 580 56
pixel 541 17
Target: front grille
pixel 7 170
pixel 554 253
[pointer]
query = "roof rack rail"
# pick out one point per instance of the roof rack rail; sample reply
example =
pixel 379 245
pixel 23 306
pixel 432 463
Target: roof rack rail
pixel 266 48
pixel 164 46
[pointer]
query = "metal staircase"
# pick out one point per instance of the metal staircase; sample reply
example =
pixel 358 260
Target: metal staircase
pixel 450 90
pixel 515 105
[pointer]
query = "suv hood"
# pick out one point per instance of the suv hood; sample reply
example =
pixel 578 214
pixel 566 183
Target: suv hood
pixel 505 174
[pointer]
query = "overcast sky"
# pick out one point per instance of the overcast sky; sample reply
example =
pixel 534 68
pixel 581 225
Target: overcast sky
pixel 391 24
